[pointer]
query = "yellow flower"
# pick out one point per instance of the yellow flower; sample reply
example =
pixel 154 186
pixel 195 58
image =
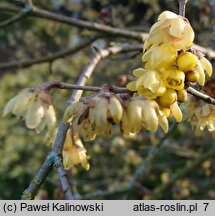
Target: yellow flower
pixel 74 152
pixel 142 113
pixel 149 84
pixel 169 97
pixel 203 65
pixel 35 107
pixel 94 115
pixel 171 29
pixel 174 79
pixel 200 114
pixel 186 61
pixel 158 57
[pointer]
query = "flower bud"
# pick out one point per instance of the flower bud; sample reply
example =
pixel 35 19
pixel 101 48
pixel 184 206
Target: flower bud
pixel 168 98
pixel 186 61
pixel 192 76
pixel 182 96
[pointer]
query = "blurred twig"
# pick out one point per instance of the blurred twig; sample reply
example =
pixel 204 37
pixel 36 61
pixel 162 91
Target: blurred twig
pixel 201 96
pixel 14 19
pixel 50 58
pixel 142 170
pixel 40 13
pixel 141 36
pixel 191 165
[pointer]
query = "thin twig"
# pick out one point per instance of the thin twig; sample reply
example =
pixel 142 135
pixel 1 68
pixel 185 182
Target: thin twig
pixel 143 169
pixel 49 58
pixel 115 89
pixel 141 36
pixel 40 13
pixel 14 19
pixel 182 7
pixel 43 172
pixel 201 96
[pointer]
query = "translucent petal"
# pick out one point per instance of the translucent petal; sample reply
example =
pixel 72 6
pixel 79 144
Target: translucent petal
pixel 139 72
pixel 167 15
pixel 176 111
pixel 163 122
pixel 206 65
pixel 24 100
pixel 177 27
pixel 41 126
pixel 132 86
pixel 50 117
pixel 34 115
pixel 201 73
pixel 150 117
pixel 9 106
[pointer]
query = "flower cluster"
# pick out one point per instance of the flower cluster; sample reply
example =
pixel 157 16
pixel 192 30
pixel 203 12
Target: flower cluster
pixel 96 114
pixel 74 152
pixel 170 63
pixel 34 105
pixel 200 114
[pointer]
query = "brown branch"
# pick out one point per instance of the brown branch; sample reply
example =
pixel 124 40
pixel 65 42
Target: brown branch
pixel 49 58
pixel 201 96
pixel 14 19
pixel 43 172
pixel 115 89
pixel 182 7
pixel 40 13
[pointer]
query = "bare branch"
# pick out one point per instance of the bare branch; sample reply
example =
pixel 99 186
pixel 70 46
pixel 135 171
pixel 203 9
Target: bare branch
pixel 182 7
pixel 201 96
pixel 50 58
pixel 14 19
pixel 40 13
pixel 62 130
pixel 39 178
pixel 43 14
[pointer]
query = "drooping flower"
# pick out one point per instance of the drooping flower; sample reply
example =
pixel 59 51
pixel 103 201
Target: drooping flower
pixel 34 105
pixel 149 84
pixel 159 57
pixel 74 152
pixel 200 114
pixel 95 115
pixel 171 29
pixel 142 113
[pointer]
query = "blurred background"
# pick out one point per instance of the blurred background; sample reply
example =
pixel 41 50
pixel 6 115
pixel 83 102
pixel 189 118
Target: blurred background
pixel 114 160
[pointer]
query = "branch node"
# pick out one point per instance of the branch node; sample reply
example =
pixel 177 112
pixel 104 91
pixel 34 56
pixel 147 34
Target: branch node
pixel 36 181
pixel 54 159
pixel 26 195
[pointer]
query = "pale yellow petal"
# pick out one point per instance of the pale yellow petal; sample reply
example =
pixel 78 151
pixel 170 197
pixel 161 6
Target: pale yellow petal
pixel 163 122
pixel 9 106
pixel 177 27
pixel 150 116
pixel 176 112
pixel 34 115
pixel 167 15
pixel 132 86
pixel 201 73
pixel 139 72
pixel 206 65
